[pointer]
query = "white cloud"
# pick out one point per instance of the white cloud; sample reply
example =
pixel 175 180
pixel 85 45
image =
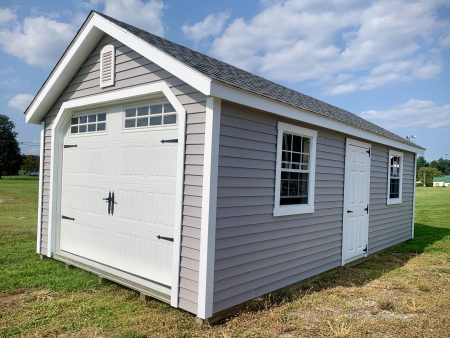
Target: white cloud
pixel 20 102
pixel 412 114
pixel 145 15
pixel 341 46
pixel 6 15
pixel 38 41
pixel 211 25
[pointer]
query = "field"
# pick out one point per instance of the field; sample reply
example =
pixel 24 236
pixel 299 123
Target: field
pixel 401 292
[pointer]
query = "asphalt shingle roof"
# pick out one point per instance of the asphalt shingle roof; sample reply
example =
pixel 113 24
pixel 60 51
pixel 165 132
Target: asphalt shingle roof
pixel 234 76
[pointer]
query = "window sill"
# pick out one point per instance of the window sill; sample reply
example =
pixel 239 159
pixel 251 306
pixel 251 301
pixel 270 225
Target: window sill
pixel 293 210
pixel 394 201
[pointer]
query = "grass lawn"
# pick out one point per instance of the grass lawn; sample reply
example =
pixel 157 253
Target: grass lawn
pixel 401 292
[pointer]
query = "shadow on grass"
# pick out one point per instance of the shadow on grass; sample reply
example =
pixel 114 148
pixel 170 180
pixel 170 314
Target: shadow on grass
pixel 427 239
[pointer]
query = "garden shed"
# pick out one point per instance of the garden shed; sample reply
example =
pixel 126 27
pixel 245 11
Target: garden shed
pixel 203 185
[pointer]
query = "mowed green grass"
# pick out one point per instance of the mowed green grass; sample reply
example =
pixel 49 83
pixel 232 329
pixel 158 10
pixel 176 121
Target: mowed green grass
pixel 401 292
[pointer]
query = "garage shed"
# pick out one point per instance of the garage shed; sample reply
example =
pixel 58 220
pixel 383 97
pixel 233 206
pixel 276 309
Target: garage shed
pixel 201 184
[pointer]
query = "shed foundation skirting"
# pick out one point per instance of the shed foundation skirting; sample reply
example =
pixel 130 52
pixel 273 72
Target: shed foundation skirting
pixel 141 285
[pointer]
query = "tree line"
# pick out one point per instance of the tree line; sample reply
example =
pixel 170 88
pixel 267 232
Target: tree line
pixel 427 170
pixel 11 159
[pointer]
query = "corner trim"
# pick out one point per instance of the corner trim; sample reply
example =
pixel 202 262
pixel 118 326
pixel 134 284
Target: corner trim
pixel 414 196
pixel 209 206
pixel 41 183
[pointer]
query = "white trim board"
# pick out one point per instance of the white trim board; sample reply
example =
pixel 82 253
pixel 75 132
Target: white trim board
pixel 209 206
pixel 414 197
pixel 256 101
pixel 85 42
pixel 41 182
pixel 57 131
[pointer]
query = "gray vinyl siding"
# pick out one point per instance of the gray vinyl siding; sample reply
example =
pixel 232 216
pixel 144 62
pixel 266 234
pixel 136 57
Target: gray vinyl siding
pixel 255 252
pixel 132 69
pixel 389 224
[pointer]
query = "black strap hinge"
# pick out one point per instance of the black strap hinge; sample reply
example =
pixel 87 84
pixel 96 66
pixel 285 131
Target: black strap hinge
pixel 365 249
pixel 368 151
pixel 70 146
pixel 170 239
pixel 174 140
pixel 367 208
pixel 69 218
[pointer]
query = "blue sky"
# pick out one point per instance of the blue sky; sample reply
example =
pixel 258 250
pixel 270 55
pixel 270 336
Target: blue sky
pixel 388 61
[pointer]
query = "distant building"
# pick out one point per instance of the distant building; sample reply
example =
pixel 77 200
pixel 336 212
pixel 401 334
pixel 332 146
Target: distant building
pixel 442 181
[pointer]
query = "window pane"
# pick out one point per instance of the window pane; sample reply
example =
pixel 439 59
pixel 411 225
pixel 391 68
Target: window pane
pixel 155 120
pixel 142 122
pixel 82 129
pixel 130 112
pixel 142 111
pixel 170 119
pixel 306 143
pixel 91 127
pixel 74 120
pixel 287 141
pixel 83 119
pixel 395 188
pixel 168 108
pixel 284 188
pixel 92 118
pixel 156 109
pixel 101 126
pixel 130 123
pixel 297 143
pixel 74 130
pixel 295 158
pixel 101 117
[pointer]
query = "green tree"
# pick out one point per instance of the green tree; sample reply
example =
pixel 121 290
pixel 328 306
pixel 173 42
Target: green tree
pixel 30 163
pixel 10 158
pixel 426 175
pixel 421 162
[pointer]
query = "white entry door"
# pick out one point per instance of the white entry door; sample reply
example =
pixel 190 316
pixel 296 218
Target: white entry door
pixel 134 232
pixel 356 201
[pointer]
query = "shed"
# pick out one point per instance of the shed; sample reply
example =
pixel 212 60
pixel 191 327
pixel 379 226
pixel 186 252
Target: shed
pixel 441 181
pixel 203 185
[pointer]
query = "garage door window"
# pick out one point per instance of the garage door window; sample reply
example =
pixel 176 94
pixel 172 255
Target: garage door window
pixel 156 114
pixel 88 123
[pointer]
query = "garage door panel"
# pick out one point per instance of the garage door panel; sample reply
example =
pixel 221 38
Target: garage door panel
pixel 141 171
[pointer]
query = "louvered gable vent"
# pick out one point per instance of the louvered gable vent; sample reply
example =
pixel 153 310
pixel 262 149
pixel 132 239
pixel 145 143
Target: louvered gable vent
pixel 107 63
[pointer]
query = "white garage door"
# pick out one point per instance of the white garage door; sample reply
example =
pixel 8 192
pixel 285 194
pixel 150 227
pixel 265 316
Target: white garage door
pixel 118 154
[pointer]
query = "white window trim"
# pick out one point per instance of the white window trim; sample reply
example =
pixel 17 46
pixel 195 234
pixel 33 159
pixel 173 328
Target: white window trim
pixel 283 210
pixel 398 200
pixel 110 82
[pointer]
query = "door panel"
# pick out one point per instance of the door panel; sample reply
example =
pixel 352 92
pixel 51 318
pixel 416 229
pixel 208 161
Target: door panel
pixel 141 171
pixel 356 201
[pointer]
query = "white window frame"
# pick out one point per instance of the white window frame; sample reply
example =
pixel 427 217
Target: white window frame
pixel 107 83
pixel 398 200
pixel 295 209
pixel 147 103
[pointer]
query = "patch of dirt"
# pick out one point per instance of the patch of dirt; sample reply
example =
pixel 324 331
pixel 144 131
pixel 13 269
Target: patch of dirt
pixel 12 300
